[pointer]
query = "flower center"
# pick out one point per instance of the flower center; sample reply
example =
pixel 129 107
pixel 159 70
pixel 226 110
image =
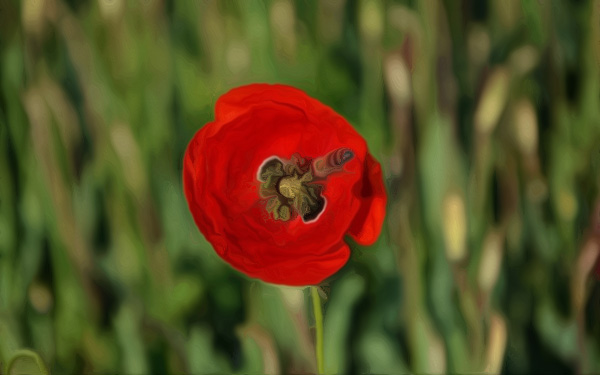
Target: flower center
pixel 294 187
pixel 291 187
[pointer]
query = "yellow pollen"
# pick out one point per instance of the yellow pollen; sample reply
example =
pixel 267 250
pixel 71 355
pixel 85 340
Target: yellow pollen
pixel 291 186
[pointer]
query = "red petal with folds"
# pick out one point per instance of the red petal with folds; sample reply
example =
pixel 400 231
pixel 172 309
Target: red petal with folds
pixel 369 219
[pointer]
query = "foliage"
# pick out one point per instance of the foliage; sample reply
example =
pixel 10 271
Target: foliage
pixel 484 115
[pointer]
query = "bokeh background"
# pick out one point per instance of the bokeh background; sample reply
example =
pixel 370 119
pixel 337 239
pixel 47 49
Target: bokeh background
pixel 483 114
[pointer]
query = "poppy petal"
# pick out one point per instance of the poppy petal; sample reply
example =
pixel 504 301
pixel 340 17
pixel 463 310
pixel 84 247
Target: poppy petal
pixel 368 221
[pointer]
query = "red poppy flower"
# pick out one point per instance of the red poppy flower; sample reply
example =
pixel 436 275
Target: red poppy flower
pixel 277 180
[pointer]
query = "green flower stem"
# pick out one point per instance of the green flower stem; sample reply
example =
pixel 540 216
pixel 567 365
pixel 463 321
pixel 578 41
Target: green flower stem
pixel 316 302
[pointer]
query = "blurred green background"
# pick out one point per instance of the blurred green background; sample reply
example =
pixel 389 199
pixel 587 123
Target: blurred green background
pixel 483 114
